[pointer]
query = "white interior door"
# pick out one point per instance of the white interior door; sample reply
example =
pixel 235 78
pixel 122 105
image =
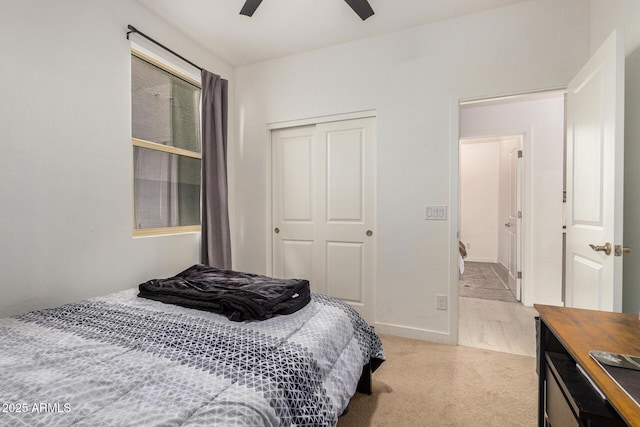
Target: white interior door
pixel 323 200
pixel 595 161
pixel 514 225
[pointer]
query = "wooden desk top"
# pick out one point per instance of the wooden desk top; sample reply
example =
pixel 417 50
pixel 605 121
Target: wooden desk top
pixel 580 331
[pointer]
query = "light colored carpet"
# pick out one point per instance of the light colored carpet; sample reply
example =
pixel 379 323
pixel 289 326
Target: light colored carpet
pixel 427 384
pixel 485 280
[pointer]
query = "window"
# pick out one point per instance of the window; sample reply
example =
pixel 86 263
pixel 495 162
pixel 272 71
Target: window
pixel 165 112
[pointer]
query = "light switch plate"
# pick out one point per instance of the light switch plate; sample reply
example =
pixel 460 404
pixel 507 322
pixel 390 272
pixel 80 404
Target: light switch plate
pixel 435 212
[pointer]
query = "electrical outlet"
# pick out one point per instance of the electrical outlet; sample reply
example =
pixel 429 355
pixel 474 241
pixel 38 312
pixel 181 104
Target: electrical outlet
pixel 441 302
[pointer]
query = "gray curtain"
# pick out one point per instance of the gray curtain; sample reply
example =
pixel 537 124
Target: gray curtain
pixel 216 238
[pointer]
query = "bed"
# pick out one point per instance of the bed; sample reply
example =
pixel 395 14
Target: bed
pixel 123 360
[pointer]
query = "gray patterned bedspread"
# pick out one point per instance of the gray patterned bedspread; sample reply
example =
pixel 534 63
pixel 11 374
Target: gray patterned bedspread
pixel 126 361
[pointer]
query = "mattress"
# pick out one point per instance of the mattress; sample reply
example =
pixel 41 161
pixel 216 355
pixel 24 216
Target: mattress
pixel 121 360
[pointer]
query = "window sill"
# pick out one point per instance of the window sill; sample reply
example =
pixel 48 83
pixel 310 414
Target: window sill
pixel 168 231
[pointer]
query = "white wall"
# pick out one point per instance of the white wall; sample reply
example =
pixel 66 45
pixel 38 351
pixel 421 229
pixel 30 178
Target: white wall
pixel 66 157
pixel 605 17
pixel 542 122
pixel 479 199
pixel 413 79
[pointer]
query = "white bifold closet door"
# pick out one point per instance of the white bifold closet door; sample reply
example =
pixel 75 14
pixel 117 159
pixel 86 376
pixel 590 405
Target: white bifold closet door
pixel 323 201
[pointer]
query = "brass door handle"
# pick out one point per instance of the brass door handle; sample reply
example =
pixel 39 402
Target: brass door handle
pixel 606 248
pixel 621 250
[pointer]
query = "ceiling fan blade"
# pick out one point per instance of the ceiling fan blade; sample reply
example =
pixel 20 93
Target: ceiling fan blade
pixel 250 7
pixel 361 7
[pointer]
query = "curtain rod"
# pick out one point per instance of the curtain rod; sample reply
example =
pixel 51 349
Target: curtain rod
pixel 133 29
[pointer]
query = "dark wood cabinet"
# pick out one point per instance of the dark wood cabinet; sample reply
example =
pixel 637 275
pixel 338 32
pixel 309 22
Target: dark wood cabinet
pixel 566 398
pixel 571 400
pixel 557 405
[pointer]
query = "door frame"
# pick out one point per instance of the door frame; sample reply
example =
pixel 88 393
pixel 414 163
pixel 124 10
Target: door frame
pixel 521 137
pixel 270 127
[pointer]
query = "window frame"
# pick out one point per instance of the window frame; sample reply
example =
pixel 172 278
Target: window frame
pixel 141 143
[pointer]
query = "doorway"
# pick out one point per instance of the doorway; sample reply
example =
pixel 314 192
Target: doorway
pixel 490 217
pixel 530 130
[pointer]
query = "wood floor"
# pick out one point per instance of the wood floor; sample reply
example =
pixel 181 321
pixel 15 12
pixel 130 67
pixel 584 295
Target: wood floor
pixel 496 325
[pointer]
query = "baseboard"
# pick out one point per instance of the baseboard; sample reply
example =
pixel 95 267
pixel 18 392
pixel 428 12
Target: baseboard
pixel 481 259
pixel 415 333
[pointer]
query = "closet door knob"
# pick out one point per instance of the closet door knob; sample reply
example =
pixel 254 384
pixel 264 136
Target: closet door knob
pixel 276 230
pixel 369 233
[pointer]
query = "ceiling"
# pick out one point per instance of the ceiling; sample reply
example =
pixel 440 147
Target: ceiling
pixel 284 27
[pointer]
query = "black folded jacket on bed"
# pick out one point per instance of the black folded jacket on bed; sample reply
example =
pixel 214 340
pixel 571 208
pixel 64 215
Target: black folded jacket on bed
pixel 239 296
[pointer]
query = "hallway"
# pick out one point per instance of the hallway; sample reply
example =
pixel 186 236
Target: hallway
pixel 490 316
pixel 486 280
